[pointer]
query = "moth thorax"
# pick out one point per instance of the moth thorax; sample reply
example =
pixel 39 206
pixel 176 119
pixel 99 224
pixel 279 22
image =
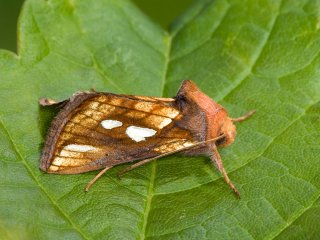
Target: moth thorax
pixel 230 131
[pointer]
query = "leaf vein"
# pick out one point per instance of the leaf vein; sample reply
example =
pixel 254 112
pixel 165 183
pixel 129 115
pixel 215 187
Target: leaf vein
pixel 256 59
pixel 150 195
pixel 33 176
pixel 304 210
pixel 206 40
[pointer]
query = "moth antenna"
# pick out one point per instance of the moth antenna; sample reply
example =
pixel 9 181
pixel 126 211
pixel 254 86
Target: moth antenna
pixel 142 162
pixel 244 117
pixel 96 178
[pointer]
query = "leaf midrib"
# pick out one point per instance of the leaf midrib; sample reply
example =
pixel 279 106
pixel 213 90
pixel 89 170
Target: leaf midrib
pixel 150 193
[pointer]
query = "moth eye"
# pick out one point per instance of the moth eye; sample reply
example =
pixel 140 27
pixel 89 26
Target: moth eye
pixel 221 141
pixel 181 97
pixel 181 101
pixel 109 124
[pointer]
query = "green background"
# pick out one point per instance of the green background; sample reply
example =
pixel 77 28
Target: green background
pixel 262 55
pixel 162 11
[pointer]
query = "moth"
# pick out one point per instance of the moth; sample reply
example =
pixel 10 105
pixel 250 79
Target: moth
pixel 99 130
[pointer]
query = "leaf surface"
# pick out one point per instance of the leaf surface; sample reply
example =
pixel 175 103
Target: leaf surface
pixel 244 54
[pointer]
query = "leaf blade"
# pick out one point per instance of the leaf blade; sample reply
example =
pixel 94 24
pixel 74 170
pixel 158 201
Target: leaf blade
pixel 242 56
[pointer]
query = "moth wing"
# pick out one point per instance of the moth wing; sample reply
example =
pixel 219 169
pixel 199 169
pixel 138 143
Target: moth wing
pixel 96 130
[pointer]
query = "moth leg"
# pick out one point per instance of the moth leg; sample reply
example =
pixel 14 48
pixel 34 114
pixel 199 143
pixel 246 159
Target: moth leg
pixel 216 159
pixel 244 117
pixel 96 178
pixel 142 162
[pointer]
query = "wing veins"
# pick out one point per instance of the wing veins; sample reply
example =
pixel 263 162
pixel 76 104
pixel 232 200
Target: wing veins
pixel 84 136
pixel 91 129
pixel 89 116
pixel 150 112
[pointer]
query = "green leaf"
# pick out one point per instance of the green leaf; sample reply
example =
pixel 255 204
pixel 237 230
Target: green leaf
pixel 246 55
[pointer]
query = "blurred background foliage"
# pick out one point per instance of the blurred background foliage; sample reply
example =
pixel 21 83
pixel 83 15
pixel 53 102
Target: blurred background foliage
pixel 161 11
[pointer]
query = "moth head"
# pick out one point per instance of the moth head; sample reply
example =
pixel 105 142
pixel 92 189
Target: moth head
pixel 217 120
pixel 228 129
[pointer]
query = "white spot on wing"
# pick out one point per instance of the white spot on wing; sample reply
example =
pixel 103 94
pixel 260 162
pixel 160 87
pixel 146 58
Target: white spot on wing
pixel 165 122
pixel 188 144
pixel 72 154
pixel 109 124
pixel 139 134
pixel 53 168
pixel 57 161
pixel 173 114
pixel 79 148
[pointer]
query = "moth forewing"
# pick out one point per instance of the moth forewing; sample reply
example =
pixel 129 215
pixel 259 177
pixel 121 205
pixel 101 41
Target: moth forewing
pixel 97 130
pixel 116 127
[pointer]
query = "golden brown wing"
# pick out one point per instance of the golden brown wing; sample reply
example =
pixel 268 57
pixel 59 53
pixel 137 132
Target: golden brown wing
pixel 96 130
